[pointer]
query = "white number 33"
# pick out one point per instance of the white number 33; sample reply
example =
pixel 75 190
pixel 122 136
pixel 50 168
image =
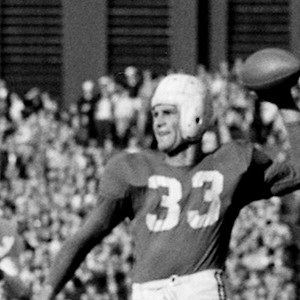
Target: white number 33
pixel 212 184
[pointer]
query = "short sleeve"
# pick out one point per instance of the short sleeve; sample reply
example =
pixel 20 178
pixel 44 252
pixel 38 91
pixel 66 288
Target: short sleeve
pixel 113 183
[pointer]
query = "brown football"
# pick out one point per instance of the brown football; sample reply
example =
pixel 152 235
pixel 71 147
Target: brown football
pixel 270 68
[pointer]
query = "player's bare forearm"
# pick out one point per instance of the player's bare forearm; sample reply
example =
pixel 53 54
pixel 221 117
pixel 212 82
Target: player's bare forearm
pixel 293 129
pixel 290 114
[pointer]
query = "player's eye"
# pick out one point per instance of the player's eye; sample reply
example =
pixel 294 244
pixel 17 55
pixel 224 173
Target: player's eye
pixel 169 111
pixel 164 111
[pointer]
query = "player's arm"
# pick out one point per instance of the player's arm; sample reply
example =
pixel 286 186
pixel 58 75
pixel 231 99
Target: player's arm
pixel 290 113
pixel 271 73
pixel 113 207
pixel 101 221
pixel 279 93
pixel 291 118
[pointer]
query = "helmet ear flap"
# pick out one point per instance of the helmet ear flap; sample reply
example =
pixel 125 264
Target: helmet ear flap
pixel 196 117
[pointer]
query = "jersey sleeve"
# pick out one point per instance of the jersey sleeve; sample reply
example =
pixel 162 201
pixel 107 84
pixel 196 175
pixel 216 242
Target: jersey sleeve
pixel 115 190
pixel 114 183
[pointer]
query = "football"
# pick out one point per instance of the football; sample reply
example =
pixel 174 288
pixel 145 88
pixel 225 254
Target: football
pixel 270 68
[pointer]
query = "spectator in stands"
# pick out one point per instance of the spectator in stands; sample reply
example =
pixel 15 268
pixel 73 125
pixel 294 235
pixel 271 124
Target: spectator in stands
pixel 103 114
pixel 16 109
pixel 32 101
pixel 126 110
pixel 85 109
pixel 5 100
pixel 144 131
pixel 133 80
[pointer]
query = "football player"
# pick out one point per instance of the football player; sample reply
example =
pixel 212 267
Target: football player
pixel 182 202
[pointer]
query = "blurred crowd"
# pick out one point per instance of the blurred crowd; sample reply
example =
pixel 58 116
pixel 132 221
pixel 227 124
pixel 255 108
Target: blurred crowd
pixel 52 158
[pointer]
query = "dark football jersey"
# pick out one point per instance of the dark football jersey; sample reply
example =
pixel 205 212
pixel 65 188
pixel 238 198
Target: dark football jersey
pixel 182 217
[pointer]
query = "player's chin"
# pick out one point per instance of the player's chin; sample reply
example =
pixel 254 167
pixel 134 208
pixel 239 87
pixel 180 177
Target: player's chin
pixel 172 149
pixel 168 143
pixel 163 146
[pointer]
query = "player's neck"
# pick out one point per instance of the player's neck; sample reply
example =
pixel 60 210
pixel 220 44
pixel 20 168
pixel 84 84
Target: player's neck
pixel 189 156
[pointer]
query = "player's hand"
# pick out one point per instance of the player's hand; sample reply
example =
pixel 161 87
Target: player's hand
pixel 280 96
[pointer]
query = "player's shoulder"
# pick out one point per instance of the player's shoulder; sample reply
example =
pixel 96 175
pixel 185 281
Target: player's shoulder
pixel 125 171
pixel 236 145
pixel 236 150
pixel 136 163
pixel 127 158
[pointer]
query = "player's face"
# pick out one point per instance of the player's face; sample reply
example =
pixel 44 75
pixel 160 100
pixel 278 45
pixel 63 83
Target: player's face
pixel 166 127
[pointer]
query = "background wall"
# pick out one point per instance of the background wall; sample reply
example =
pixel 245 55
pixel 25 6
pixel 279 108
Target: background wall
pixel 84 44
pixel 183 35
pixel 56 44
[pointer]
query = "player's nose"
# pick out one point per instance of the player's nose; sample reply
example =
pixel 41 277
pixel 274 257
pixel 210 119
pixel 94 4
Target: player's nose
pixel 159 120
